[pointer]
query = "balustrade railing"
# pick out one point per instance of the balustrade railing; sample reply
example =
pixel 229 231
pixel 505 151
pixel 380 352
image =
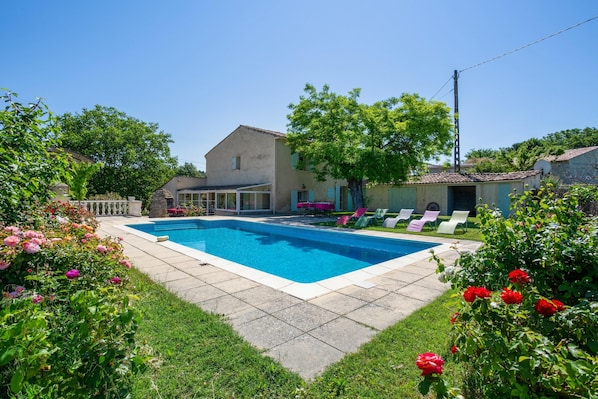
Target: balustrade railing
pixel 130 207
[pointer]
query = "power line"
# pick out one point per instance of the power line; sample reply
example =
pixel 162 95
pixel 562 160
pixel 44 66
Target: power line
pixel 528 45
pixel 445 83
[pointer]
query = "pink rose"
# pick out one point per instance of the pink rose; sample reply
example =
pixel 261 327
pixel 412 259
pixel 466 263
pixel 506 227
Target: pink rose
pixel 429 363
pixel 125 263
pixel 37 298
pixel 4 265
pixel 31 247
pixel 33 234
pixel 12 229
pixel 102 249
pixel 11 241
pixel 73 273
pixel 115 280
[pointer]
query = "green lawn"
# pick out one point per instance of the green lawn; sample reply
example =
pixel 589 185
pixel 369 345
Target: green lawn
pixel 198 355
pixel 473 230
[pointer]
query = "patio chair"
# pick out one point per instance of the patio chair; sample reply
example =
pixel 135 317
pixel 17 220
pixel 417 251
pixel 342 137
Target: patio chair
pixel 359 212
pixel 404 214
pixel 365 220
pixel 418 224
pixel 343 220
pixel 457 218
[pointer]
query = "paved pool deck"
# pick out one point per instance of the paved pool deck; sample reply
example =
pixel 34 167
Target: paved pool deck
pixel 306 327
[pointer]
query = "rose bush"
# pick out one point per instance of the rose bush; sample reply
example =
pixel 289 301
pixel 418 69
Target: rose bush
pixel 527 325
pixel 68 316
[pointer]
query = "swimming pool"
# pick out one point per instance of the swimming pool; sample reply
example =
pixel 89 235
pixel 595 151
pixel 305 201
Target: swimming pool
pixel 298 254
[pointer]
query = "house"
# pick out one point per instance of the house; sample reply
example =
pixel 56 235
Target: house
pixel 579 165
pixel 454 191
pixel 253 170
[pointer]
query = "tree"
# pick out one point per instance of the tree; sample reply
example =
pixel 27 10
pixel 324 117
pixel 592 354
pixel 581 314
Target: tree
pixel 481 153
pixel 79 177
pixel 28 167
pixel 188 169
pixel 384 142
pixel 135 155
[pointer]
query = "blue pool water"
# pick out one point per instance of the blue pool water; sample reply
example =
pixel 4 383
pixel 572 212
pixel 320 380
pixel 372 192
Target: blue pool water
pixel 303 255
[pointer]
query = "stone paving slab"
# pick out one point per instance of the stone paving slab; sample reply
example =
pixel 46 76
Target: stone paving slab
pixel 306 355
pixel 305 335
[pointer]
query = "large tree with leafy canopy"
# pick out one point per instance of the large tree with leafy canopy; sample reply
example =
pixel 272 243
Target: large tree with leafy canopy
pixel 135 154
pixel 384 142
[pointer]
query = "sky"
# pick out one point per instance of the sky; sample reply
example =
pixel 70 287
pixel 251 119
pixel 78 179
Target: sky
pixel 201 68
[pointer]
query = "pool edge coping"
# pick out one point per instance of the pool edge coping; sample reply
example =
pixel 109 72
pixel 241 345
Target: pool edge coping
pixel 304 291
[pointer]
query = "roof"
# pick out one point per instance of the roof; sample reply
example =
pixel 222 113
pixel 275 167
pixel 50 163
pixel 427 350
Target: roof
pixel 569 154
pixel 271 132
pixel 255 129
pixel 447 178
pixel 229 187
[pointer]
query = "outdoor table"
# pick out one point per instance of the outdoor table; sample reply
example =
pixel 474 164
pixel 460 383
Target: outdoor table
pixel 176 211
pixel 322 207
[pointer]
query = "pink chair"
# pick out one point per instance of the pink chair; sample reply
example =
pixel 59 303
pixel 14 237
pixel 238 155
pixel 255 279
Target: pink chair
pixel 358 213
pixel 343 220
pixel 418 224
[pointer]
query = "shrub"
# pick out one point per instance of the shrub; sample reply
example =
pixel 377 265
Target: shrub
pixel 547 236
pixel 67 315
pixel 528 322
pixel 28 167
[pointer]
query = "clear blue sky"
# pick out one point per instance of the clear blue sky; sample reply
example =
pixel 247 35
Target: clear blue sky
pixel 201 68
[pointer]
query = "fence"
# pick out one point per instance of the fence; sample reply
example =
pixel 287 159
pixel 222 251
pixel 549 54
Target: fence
pixel 130 207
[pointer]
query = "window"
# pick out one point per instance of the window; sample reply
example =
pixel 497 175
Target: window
pixel 236 162
pixel 251 201
pixel 226 201
pixel 302 196
pixel 188 199
pixel 299 162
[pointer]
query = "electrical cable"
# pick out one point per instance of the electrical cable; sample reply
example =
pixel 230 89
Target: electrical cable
pixel 528 45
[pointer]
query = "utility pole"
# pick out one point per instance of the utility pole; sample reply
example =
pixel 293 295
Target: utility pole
pixel 457 159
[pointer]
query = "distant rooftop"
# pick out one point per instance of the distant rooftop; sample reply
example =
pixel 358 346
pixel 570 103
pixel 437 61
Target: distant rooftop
pixel 443 178
pixel 569 154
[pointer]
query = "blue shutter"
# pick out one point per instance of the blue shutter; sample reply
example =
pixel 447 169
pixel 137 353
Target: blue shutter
pixel 294 160
pixel 294 197
pixel 337 201
pixel 311 196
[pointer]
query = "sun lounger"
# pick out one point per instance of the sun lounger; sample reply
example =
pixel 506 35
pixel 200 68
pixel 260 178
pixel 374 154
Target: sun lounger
pixel 377 216
pixel 343 220
pixel 418 224
pixel 404 214
pixel 457 218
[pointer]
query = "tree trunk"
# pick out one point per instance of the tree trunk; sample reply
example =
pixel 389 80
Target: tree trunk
pixel 356 190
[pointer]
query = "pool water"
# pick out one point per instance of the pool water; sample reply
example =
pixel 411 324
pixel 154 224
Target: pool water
pixel 303 255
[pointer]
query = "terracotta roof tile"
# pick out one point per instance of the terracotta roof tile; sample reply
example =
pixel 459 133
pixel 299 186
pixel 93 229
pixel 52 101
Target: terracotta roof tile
pixel 569 154
pixel 257 129
pixel 444 178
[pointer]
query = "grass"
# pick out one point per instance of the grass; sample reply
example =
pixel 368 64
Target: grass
pixel 472 233
pixel 198 355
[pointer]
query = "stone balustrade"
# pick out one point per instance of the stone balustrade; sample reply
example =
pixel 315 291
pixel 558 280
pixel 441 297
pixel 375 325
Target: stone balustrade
pixel 128 207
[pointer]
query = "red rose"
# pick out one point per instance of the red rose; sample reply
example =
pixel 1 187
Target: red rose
pixel 560 306
pixel 429 363
pixel 519 276
pixel 469 294
pixel 547 308
pixel 511 297
pixel 454 349
pixel 482 292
